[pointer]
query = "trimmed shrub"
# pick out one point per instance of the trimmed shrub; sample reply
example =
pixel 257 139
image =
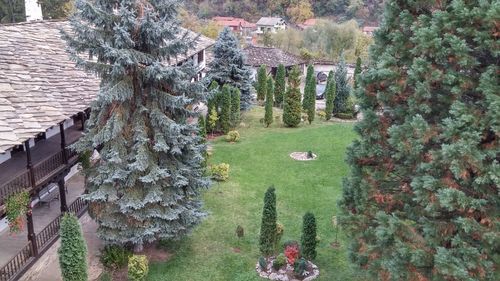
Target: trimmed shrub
pixel 138 268
pixel 331 89
pixel 268 116
pixel 225 109
pixel 233 136
pixel 114 256
pixel 202 126
pixel 261 83
pixel 262 263
pixel 267 239
pixel 345 116
pixel 240 232
pixel 308 239
pixel 279 262
pixel 235 107
pixel 279 86
pixel 73 250
pixel 220 172
pixel 292 107
pixel 309 102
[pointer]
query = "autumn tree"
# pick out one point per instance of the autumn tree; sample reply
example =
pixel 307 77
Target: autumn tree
pixel 299 11
pixel 421 202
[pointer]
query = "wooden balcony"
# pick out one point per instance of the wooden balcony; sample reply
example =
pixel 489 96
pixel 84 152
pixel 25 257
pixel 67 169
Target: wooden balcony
pixel 48 160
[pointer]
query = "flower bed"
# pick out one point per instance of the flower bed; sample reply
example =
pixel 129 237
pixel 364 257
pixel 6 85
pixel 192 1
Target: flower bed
pixel 286 272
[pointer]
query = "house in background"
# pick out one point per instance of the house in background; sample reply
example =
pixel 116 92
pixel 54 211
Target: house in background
pixel 271 58
pixel 369 30
pixel 270 24
pixel 307 24
pixel 238 25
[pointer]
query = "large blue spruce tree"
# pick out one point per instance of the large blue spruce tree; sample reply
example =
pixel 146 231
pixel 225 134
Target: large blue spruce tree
pixel 228 66
pixel 146 184
pixel 422 201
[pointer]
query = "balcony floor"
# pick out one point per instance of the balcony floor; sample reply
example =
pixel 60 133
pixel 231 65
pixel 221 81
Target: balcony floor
pixel 11 244
pixel 43 149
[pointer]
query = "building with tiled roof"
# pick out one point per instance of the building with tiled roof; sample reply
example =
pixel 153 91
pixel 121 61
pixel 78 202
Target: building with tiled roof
pixel 307 23
pixel 237 25
pixel 271 58
pixel 270 24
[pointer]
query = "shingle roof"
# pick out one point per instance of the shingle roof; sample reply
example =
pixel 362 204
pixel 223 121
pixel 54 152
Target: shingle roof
pixel 271 57
pixel 39 85
pixel 269 21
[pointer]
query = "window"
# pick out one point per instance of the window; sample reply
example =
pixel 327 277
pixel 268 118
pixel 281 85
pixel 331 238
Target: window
pixel 200 57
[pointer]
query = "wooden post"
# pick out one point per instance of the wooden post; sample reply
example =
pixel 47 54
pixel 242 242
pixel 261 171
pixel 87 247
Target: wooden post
pixel 82 119
pixel 31 231
pixel 63 142
pixel 29 163
pixel 62 195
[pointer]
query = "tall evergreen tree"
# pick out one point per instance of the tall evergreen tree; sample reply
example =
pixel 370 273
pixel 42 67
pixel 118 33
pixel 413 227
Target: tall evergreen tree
pixel 422 201
pixel 357 72
pixel 343 89
pixel 73 250
pixel 331 89
pixel 212 102
pixel 268 116
pixel 268 226
pixel 235 107
pixel 202 126
pixel 228 66
pixel 225 108
pixel 310 88
pixel 261 83
pixel 146 184
pixel 308 240
pixel 292 108
pixel 279 86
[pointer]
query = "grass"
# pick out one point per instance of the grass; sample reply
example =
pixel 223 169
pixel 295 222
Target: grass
pixel 259 160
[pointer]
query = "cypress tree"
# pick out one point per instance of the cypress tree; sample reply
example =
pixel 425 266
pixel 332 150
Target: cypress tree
pixel 137 191
pixel 228 66
pixel 292 107
pixel 330 95
pixel 343 89
pixel 73 250
pixel 421 202
pixel 261 83
pixel 202 127
pixel 225 109
pixel 268 225
pixel 309 89
pixel 235 108
pixel 268 117
pixel 279 86
pixel 357 72
pixel 308 239
pixel 212 97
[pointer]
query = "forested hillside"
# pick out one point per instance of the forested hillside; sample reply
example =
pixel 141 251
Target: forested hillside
pixel 365 11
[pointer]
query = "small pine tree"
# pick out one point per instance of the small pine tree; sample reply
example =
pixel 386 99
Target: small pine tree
pixel 261 83
pixel 343 89
pixel 330 95
pixel 292 107
pixel 268 117
pixel 202 126
pixel 225 109
pixel 212 120
pixel 357 72
pixel 268 226
pixel 279 86
pixel 73 250
pixel 229 67
pixel 308 239
pixel 235 107
pixel 309 89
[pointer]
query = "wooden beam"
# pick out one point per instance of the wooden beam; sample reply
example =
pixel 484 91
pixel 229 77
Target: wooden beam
pixel 63 142
pixel 29 164
pixel 62 195
pixel 31 230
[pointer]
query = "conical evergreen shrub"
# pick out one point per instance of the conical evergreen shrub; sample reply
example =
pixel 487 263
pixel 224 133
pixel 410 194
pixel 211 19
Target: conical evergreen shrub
pixel 268 117
pixel 308 239
pixel 73 250
pixel 280 86
pixel 292 107
pixel 268 226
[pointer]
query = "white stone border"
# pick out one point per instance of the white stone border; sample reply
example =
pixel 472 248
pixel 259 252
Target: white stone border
pixel 302 156
pixel 281 274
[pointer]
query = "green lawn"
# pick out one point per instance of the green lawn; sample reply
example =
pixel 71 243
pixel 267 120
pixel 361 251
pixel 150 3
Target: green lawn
pixel 259 160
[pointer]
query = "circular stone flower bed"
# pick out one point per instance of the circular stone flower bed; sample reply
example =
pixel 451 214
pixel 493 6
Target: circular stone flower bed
pixel 303 156
pixel 286 272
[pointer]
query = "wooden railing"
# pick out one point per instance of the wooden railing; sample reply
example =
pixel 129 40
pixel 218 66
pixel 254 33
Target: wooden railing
pixel 18 264
pixel 17 184
pixel 43 240
pixel 48 165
